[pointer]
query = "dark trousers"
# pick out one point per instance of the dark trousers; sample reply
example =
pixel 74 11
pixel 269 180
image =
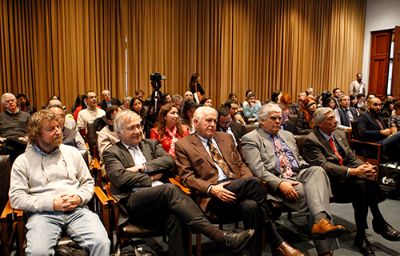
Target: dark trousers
pixel 168 208
pixel 362 194
pixel 250 206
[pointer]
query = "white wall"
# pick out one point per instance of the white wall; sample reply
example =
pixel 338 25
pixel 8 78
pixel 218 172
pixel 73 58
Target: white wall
pixel 381 14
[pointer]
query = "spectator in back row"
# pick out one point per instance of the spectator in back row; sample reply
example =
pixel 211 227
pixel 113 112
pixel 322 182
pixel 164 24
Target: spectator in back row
pixel 107 137
pixel 196 88
pixel 89 114
pixel 13 124
pixel 107 100
pixel 24 104
pixel 345 114
pixel 233 108
pixel 251 106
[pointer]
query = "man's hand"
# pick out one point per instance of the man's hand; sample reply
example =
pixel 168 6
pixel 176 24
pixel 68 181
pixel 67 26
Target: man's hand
pixel 287 190
pixel 364 171
pixel 386 132
pixel 2 139
pixel 66 202
pixel 23 139
pixel 156 176
pixel 221 193
pixel 136 168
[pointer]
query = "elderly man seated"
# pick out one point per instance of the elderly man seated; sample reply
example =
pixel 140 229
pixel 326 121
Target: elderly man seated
pixel 351 178
pixel 272 155
pixel 13 124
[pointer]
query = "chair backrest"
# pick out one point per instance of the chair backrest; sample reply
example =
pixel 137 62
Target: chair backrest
pixel 91 139
pixel 5 170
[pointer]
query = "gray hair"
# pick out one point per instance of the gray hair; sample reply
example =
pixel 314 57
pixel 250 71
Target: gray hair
pixel 267 109
pixel 342 97
pixel 122 117
pixel 202 111
pixel 3 97
pixel 320 114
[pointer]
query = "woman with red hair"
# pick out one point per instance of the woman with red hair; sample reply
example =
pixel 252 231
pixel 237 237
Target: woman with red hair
pixel 305 120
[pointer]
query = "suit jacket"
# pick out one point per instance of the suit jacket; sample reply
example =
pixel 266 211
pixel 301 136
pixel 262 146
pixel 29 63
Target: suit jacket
pixel 114 101
pixel 259 154
pixel 117 159
pixel 319 152
pixel 237 129
pixel 198 170
pixel 368 129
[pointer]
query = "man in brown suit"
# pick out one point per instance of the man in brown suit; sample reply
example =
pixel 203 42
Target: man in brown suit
pixel 208 162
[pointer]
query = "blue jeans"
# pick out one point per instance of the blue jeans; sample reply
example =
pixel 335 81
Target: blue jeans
pixel 44 229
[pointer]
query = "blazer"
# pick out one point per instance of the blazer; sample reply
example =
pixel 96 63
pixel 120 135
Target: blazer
pixel 198 170
pixel 259 154
pixel 368 129
pixel 319 152
pixel 237 129
pixel 117 159
pixel 114 101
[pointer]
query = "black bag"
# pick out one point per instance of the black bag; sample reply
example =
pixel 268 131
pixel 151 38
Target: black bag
pixel 389 179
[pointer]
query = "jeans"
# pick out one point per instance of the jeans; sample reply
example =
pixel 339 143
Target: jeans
pixel 44 229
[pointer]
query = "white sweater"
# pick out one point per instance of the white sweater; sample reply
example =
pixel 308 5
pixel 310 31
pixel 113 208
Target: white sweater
pixel 37 178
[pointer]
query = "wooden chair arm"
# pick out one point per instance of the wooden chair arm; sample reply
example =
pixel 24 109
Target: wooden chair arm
pixel 6 211
pixel 101 196
pixel 366 143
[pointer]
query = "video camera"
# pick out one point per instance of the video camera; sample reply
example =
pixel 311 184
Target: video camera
pixel 155 79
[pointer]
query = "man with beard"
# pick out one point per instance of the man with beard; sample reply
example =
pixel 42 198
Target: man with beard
pixel 372 128
pixel 351 178
pixel 53 184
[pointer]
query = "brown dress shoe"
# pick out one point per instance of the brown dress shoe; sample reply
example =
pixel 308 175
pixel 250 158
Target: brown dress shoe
pixel 324 228
pixel 284 249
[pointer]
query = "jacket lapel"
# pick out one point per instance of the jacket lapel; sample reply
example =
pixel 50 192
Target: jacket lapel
pixel 126 155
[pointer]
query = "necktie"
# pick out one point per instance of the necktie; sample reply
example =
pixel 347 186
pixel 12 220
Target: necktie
pixel 219 160
pixel 284 163
pixel 332 143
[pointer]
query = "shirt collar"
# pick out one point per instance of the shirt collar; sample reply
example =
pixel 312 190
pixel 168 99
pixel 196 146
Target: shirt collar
pixel 326 136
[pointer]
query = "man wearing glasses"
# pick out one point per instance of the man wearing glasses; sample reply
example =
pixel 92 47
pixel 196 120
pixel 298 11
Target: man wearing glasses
pixel 225 124
pixel 372 128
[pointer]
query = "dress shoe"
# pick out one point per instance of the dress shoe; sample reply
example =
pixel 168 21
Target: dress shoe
pixel 236 241
pixel 284 249
pixel 384 229
pixel 364 246
pixel 324 228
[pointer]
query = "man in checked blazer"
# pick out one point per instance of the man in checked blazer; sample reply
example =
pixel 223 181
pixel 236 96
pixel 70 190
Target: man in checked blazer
pixel 227 189
pixel 351 179
pixel 268 151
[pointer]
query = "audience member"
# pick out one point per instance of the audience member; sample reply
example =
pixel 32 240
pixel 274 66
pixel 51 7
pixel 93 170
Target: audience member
pixel 89 114
pixel 130 165
pixel 232 97
pixel 286 123
pixel 310 92
pixel 387 109
pixel 353 101
pixel 351 179
pixel 80 103
pixel 304 119
pixel 188 108
pixel 394 120
pixel 168 129
pixel 139 94
pixel 357 86
pixel 276 96
pixel 137 107
pixel 337 93
pixel 189 96
pixel 372 128
pixel 360 100
pixel 107 137
pixel 345 114
pixel 24 104
pixel 196 88
pixel 206 101
pixel 69 137
pixel 272 155
pixel 251 106
pixel 13 124
pixel 167 98
pixel 233 108
pixel 107 100
pixel 209 163
pixel 225 124
pixel 126 103
pixel 177 100
pixel 69 118
pixel 53 184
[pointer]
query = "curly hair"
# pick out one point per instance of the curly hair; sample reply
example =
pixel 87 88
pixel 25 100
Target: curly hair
pixel 35 123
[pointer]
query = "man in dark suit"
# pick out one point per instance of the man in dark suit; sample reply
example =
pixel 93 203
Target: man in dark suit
pixel 208 162
pixel 370 127
pixel 271 154
pixel 134 166
pixel 351 178
pixel 107 101
pixel 225 124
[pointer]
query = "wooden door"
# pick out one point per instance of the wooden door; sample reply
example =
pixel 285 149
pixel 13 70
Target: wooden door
pixel 379 62
pixel 396 64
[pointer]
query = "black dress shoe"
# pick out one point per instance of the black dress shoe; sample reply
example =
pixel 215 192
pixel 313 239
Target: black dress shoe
pixel 364 246
pixel 384 229
pixel 236 241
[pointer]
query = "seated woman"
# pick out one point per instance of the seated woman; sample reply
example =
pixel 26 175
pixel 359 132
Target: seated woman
pixel 206 101
pixel 305 120
pixel 251 106
pixel 187 111
pixel 394 121
pixel 168 129
pixel 137 107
